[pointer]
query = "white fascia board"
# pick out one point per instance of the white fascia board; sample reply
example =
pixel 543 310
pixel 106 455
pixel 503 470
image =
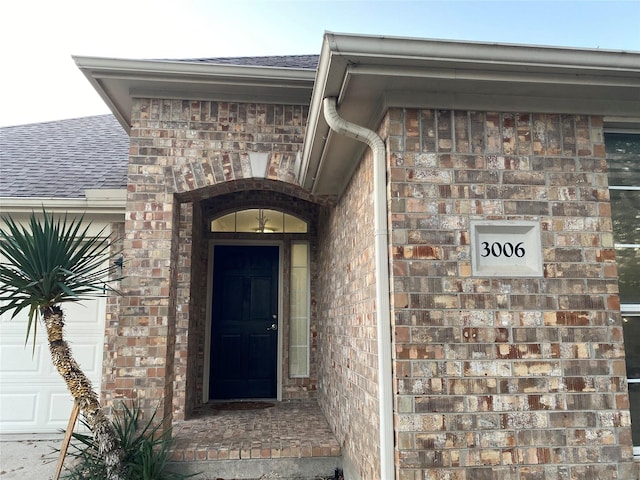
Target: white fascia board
pixel 317 128
pixel 119 80
pixel 392 49
pixel 412 61
pixel 620 124
pixel 108 202
pixel 167 69
pixel 604 73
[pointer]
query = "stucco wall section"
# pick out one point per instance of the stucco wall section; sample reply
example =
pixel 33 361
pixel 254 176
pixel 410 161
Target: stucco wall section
pixel 347 349
pixel 505 378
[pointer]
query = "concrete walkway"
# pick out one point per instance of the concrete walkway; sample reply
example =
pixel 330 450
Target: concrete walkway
pixel 28 459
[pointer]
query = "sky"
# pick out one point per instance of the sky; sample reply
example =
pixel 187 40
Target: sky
pixel 39 81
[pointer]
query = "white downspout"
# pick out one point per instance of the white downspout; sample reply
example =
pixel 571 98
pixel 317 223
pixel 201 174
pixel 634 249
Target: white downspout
pixel 381 252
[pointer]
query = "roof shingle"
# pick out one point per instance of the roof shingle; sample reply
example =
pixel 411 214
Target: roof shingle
pixel 309 62
pixel 63 158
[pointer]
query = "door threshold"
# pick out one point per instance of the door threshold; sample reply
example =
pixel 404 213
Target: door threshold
pixel 227 400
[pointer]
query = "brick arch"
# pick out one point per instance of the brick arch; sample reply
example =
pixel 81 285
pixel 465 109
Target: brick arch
pixel 220 167
pixel 228 197
pixel 237 201
pixel 238 187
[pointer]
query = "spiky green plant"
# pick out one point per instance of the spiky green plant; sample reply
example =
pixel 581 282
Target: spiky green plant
pixel 147 449
pixel 45 264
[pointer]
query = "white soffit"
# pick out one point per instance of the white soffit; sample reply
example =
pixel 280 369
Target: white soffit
pixel 119 81
pixel 370 74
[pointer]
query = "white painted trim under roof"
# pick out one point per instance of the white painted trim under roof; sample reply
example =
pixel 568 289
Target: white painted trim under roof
pixel 370 74
pixel 118 81
pixel 103 202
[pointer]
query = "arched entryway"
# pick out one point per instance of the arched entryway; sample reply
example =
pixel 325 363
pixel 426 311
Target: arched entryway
pixel 251 278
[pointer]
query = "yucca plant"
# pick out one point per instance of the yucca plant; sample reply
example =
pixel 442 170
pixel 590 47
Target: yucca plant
pixel 147 449
pixel 45 264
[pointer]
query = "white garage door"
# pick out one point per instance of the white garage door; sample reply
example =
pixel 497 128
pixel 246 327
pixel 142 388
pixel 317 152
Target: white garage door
pixel 33 397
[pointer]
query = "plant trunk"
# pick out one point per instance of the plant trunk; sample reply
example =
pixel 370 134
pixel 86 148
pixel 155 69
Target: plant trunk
pixel 83 393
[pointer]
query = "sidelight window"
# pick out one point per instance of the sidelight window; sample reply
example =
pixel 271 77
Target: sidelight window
pixel 299 308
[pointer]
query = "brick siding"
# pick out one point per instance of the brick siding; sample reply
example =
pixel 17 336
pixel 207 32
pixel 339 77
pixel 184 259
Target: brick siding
pixel 184 153
pixel 348 352
pixel 499 378
pixel 504 377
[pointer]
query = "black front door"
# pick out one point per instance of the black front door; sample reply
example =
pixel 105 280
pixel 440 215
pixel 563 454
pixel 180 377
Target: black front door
pixel 244 337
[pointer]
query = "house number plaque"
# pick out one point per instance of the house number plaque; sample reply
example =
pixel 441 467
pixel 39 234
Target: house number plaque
pixel 506 248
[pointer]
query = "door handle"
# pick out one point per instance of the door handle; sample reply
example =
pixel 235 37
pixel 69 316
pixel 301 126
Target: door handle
pixel 274 326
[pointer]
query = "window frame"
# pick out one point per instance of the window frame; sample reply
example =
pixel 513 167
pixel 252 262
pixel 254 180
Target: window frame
pixel 259 223
pixel 303 322
pixel 632 128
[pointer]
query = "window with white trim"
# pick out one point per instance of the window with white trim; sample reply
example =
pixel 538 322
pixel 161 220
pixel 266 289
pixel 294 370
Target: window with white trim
pixel 299 308
pixel 623 162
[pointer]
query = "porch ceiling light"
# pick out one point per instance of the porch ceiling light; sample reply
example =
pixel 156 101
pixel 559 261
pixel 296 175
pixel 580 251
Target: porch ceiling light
pixel 262 223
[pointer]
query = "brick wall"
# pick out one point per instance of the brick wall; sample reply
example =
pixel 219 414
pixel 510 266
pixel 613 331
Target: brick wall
pixel 347 375
pixel 190 276
pixel 182 153
pixel 494 377
pixel 504 378
pixel 107 390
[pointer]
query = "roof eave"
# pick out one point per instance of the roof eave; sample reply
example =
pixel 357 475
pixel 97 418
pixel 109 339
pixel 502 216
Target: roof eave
pixel 109 203
pixel 370 74
pixel 119 81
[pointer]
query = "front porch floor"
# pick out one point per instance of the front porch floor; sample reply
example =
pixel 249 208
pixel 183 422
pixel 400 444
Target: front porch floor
pixel 288 429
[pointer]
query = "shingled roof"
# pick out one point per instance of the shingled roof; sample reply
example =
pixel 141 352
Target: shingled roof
pixel 60 159
pixel 63 158
pixel 309 62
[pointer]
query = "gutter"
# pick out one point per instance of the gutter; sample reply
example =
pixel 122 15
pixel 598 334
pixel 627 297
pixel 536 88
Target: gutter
pixel 381 254
pixel 429 73
pixel 190 71
pixel 397 50
pixel 118 81
pixel 110 202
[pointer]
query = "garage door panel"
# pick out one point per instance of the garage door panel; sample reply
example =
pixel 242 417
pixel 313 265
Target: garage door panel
pixel 33 396
pixel 18 408
pixel 43 409
pixel 35 409
pixel 84 313
pixel 20 363
pixel 60 405
pixel 18 359
pixel 88 356
pixel 82 317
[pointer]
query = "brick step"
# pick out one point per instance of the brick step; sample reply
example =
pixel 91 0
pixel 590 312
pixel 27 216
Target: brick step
pixel 306 468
